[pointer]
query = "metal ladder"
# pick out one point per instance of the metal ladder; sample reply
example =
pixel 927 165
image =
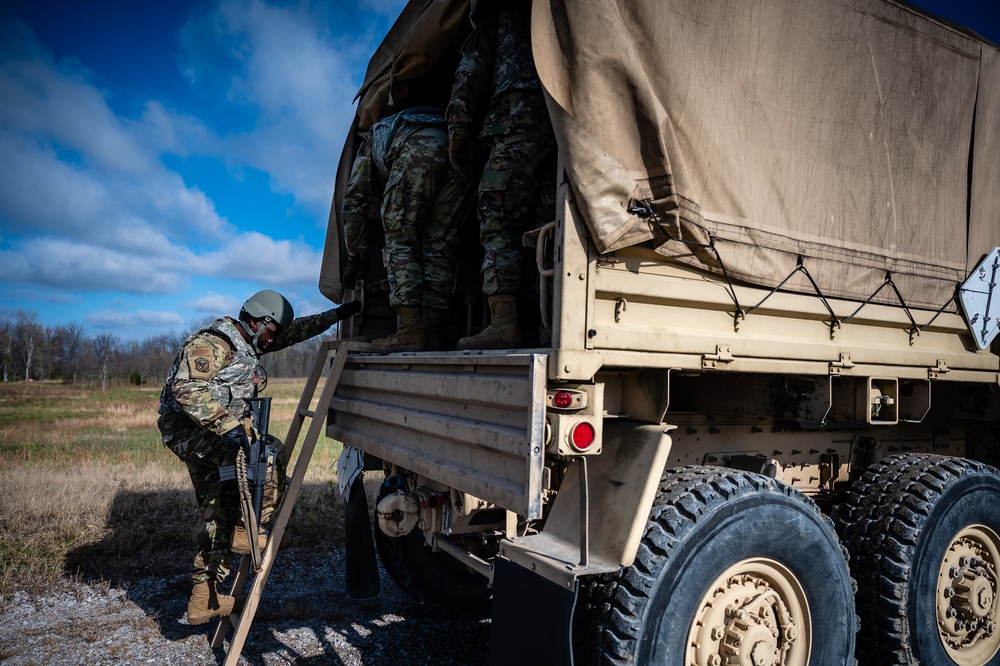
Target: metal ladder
pixel 241 621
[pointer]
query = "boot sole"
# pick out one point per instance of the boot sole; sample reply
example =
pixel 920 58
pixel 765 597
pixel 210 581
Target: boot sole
pixel 246 551
pixel 401 348
pixel 203 620
pixel 511 345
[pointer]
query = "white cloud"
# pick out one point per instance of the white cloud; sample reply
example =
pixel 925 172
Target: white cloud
pixel 79 266
pixel 213 303
pixel 72 167
pixel 65 108
pixel 87 202
pixel 256 257
pixel 179 134
pixel 41 193
pixel 122 321
pixel 74 266
pixel 285 63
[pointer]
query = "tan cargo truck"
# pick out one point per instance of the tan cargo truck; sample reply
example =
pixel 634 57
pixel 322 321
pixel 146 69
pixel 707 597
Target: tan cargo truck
pixel 757 421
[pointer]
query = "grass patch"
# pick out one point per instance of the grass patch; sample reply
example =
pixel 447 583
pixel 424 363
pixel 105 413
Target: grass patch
pixel 90 493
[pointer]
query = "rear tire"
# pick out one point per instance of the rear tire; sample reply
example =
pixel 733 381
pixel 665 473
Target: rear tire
pixel 912 523
pixel 734 568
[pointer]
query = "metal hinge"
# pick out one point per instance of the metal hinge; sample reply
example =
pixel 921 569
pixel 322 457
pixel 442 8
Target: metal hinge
pixel 721 355
pixel 845 363
pixel 939 369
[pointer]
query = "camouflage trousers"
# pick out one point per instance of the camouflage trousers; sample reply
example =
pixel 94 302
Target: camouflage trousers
pixel 218 501
pixel 424 205
pixel 515 195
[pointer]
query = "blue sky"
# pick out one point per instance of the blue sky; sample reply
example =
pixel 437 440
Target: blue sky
pixel 164 160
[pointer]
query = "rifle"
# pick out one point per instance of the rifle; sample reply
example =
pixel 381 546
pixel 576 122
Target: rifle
pixel 253 473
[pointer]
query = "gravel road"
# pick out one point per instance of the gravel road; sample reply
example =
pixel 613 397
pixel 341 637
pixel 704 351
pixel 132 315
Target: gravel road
pixel 304 618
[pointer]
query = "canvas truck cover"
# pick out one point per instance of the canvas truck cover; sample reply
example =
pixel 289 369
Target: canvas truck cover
pixel 860 137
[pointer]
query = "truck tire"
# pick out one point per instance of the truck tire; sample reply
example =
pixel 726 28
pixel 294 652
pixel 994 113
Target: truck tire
pixel 734 568
pixel 434 579
pixel 922 531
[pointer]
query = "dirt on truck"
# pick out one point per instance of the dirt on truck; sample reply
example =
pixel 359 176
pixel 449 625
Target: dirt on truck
pixel 755 416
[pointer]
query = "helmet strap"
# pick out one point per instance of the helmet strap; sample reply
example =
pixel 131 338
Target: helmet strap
pixel 254 336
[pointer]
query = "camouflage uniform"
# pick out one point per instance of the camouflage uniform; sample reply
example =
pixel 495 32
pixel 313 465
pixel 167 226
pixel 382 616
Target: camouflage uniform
pixel 496 77
pixel 424 201
pixel 201 400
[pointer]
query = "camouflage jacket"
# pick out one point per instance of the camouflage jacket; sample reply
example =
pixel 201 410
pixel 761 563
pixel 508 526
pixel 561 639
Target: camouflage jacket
pixel 377 150
pixel 496 80
pixel 215 370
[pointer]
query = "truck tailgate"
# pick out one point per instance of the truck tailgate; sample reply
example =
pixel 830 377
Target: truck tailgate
pixel 472 421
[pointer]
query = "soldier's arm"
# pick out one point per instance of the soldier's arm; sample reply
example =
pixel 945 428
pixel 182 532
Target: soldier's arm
pixel 202 357
pixel 357 200
pixel 472 78
pixel 303 328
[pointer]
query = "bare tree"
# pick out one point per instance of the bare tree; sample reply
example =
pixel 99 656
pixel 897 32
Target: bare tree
pixel 156 355
pixel 27 332
pixel 105 348
pixel 31 350
pixel 6 345
pixel 68 347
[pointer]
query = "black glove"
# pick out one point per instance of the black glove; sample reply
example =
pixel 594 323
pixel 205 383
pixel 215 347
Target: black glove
pixel 352 268
pixel 462 155
pixel 236 439
pixel 348 310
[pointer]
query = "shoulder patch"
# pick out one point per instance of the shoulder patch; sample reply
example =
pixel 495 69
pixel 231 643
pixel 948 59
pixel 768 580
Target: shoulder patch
pixel 200 362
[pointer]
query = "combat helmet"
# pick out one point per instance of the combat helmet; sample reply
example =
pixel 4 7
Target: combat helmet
pixel 270 306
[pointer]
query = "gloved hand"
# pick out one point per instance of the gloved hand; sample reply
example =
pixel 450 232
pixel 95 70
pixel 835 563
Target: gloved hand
pixel 462 155
pixel 236 439
pixel 348 310
pixel 352 268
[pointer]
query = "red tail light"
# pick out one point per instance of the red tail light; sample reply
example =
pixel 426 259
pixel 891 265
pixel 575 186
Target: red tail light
pixel 562 399
pixel 582 436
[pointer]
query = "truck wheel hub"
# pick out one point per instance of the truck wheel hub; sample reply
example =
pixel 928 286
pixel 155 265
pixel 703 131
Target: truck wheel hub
pixel 752 615
pixel 967 593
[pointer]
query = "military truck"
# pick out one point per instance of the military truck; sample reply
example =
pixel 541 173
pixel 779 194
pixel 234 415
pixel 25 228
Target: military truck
pixel 758 422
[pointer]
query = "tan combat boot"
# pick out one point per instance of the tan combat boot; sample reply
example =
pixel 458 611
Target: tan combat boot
pixel 503 331
pixel 409 337
pixel 435 325
pixel 241 544
pixel 206 603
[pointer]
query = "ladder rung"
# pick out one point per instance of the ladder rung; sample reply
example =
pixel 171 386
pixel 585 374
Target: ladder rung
pixel 305 412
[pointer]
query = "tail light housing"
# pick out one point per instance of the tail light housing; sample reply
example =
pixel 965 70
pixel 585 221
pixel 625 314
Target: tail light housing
pixel 574 418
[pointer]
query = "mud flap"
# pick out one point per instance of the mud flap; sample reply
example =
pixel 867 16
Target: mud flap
pixel 360 567
pixel 532 618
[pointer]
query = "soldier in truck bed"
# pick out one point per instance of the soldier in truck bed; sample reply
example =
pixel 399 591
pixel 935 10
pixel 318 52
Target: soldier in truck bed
pixel 496 80
pixel 201 420
pixel 424 201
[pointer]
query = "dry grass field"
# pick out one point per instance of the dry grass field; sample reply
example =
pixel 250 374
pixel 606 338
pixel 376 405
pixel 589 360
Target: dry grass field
pixel 89 493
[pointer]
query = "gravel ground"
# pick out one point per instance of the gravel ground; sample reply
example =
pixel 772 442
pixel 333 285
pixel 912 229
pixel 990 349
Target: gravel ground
pixel 304 618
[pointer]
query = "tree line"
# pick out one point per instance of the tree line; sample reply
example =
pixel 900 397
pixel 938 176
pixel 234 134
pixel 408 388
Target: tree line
pixel 31 351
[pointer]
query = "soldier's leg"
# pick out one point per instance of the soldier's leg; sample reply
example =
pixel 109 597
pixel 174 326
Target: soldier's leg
pixel 276 483
pixel 507 192
pixel 274 488
pixel 440 238
pixel 414 179
pixel 218 505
